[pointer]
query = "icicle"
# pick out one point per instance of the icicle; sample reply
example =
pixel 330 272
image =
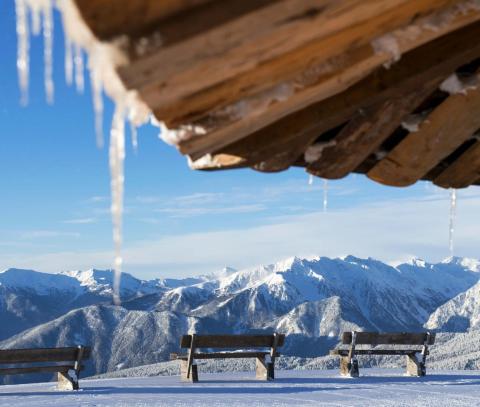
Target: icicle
pixel 97 105
pixel 48 52
pixel 78 61
pixel 453 207
pixel 310 179
pixel 22 49
pixel 117 156
pixel 68 60
pixel 325 195
pixel 36 18
pixel 134 135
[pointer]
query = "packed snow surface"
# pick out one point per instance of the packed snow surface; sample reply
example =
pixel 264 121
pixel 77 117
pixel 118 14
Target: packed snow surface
pixel 376 387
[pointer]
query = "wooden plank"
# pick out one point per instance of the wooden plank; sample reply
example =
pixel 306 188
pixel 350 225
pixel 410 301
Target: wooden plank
pixel 35 369
pixel 337 75
pixel 222 355
pixel 444 130
pixel 435 60
pixel 291 37
pixel 463 172
pixel 388 338
pixel 231 341
pixel 366 132
pixel 134 18
pixel 41 355
pixel 344 352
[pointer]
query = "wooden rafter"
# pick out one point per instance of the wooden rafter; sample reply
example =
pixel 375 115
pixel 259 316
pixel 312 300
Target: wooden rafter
pixel 420 151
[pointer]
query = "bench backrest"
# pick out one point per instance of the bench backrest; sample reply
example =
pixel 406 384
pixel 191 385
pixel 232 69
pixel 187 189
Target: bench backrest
pixel 389 338
pixel 232 341
pixel 8 356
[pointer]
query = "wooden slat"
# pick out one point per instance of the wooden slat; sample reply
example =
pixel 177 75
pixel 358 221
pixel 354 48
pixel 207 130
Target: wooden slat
pixel 108 19
pixel 280 48
pixel 41 355
pixel 365 133
pixel 224 355
pixel 463 172
pixel 344 352
pixel 36 369
pixel 337 75
pixel 444 130
pixel 230 341
pixel 435 60
pixel 390 338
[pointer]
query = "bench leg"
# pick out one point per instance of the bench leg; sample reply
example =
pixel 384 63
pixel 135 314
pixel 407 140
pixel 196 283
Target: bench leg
pixel 67 381
pixel 264 370
pixel 347 368
pixel 415 367
pixel 193 378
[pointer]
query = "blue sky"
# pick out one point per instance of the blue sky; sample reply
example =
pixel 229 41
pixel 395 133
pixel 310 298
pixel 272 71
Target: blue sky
pixel 54 206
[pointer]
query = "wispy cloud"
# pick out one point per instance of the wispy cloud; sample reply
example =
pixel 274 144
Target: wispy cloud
pixel 42 234
pixel 390 230
pixel 187 212
pixel 80 221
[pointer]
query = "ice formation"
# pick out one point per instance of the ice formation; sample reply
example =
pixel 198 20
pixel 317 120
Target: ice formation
pixel 459 85
pixel 325 195
pixel 310 179
pixel 453 211
pixel 314 152
pixel 103 59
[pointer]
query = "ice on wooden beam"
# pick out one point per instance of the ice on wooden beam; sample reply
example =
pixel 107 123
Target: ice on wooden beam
pixel 455 84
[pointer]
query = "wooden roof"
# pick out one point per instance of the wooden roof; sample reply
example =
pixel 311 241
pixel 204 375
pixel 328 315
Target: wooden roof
pixel 320 84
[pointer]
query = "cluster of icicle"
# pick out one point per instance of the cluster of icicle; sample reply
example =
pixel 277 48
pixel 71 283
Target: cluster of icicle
pixel 35 16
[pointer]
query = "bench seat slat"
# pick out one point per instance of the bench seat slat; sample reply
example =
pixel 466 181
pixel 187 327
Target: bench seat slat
pixel 36 369
pixel 344 352
pixel 8 356
pixel 231 341
pixel 223 355
pixel 392 338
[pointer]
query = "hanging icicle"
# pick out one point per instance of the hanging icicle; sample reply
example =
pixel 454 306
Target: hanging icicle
pixel 453 211
pixel 325 195
pixel 78 63
pixel 97 89
pixel 68 60
pixel 48 52
pixel 23 47
pixel 310 179
pixel 117 157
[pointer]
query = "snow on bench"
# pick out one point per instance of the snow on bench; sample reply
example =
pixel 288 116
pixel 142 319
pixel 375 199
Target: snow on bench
pixel 265 360
pixel 416 351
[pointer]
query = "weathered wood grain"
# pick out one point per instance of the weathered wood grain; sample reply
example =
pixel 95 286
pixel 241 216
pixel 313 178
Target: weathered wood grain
pixel 230 341
pixel 41 355
pixel 443 131
pixel 463 172
pixel 389 338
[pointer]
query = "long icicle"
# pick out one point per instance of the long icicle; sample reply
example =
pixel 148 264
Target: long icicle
pixel 48 52
pixel 97 105
pixel 68 60
pixel 325 195
pixel 117 157
pixel 78 62
pixel 23 47
pixel 453 211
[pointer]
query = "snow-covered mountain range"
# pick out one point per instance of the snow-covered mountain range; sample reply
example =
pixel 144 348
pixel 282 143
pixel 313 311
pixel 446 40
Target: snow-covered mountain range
pixel 311 300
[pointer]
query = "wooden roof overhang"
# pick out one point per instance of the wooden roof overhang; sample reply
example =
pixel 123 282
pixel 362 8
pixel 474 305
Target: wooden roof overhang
pixel 320 84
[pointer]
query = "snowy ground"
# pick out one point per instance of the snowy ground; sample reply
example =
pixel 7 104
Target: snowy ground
pixel 377 387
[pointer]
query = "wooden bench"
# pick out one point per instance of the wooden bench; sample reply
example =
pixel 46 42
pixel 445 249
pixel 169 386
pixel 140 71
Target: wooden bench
pixel 46 360
pixel 240 346
pixel 416 351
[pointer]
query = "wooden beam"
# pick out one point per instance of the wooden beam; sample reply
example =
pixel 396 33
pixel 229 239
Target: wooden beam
pixel 433 61
pixel 108 19
pixel 463 172
pixel 451 124
pixel 341 73
pixel 365 133
pixel 300 64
